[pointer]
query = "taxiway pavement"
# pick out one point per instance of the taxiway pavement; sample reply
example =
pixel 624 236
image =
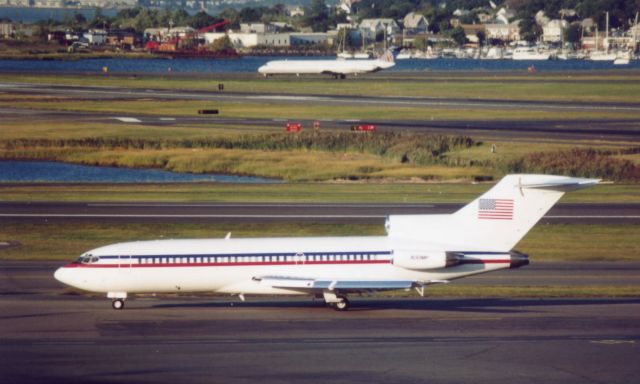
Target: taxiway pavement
pixel 607 213
pixel 48 334
pixel 612 129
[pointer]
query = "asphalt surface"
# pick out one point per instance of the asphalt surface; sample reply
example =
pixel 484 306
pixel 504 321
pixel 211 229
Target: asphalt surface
pixel 273 212
pixel 51 335
pixel 565 129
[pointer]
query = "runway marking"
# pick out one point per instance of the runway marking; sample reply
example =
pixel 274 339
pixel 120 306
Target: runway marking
pixel 269 205
pixel 167 118
pixel 128 119
pixel 222 216
pixel 612 342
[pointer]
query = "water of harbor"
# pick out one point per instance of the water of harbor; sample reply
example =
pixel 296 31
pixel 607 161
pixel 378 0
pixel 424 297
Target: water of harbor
pixel 55 172
pixel 250 64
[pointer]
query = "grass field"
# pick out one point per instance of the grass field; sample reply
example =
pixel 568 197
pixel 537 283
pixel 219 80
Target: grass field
pixel 345 192
pixel 624 87
pixel 275 110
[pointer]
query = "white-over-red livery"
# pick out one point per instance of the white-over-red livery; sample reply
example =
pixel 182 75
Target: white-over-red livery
pixel 418 250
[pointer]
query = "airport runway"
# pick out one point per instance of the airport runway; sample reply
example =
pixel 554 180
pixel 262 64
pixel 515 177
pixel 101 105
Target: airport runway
pixel 610 129
pixel 104 92
pixel 624 130
pixel 50 335
pixel 243 212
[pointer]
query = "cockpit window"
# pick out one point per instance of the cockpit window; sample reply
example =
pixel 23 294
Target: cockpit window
pixel 88 259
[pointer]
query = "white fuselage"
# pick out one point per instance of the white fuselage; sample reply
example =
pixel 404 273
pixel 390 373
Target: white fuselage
pixel 235 265
pixel 333 67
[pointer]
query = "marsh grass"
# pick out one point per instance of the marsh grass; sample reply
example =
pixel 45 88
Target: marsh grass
pixel 300 157
pixel 585 162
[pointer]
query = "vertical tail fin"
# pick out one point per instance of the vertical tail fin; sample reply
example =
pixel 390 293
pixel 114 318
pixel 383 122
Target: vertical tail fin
pixel 390 55
pixel 502 216
pixel 495 221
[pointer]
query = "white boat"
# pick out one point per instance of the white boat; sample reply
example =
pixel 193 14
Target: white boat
pixel 529 53
pixel 623 58
pixel 602 56
pixel 345 55
pixel 361 55
pixel 403 55
pixel 494 53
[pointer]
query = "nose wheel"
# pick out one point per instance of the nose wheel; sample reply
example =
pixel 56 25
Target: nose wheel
pixel 118 304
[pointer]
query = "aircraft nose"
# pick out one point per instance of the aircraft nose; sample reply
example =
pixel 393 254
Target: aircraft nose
pixel 62 275
pixel 262 69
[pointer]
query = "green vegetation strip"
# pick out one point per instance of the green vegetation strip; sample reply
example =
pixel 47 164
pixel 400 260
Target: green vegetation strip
pixel 284 110
pixel 539 87
pixel 66 240
pixel 344 192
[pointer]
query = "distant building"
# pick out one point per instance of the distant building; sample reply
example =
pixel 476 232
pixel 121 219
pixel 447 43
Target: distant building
pixel 505 32
pixel 163 34
pixel 7 30
pixel 251 40
pixel 295 10
pixel 371 27
pixel 415 23
pixel 95 36
pixel 504 16
pixel 122 39
pixel 302 39
pixel 552 31
pixel 258 28
pixel 471 31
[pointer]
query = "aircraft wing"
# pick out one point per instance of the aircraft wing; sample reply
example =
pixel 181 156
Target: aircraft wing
pixel 343 285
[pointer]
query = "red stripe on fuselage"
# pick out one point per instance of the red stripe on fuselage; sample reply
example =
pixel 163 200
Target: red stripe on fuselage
pixel 78 265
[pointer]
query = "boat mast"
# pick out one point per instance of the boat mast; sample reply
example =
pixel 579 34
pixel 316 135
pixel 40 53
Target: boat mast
pixel 606 39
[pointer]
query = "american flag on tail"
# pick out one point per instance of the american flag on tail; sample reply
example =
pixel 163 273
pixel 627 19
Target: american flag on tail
pixel 495 209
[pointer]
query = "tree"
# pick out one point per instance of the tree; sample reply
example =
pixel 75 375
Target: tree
pixel 318 18
pixel 572 34
pixel 482 37
pixel 99 20
pixel 458 35
pixel 202 19
pixel 529 29
pixel 222 44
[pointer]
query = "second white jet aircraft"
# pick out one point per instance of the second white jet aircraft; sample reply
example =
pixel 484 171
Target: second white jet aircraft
pixel 419 250
pixel 338 68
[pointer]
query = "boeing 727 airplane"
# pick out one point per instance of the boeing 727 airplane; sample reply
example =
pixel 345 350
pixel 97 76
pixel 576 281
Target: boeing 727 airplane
pixel 418 250
pixel 337 68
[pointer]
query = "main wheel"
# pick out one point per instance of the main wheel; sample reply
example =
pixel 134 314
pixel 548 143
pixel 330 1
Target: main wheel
pixel 341 305
pixel 117 304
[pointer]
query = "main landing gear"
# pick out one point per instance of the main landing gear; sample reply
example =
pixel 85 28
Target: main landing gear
pixel 118 299
pixel 337 302
pixel 117 304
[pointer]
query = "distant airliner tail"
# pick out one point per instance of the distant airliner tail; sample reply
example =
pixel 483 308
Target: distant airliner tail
pixel 497 220
pixel 390 55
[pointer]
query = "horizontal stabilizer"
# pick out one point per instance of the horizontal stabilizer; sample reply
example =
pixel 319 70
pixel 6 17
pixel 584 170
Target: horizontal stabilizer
pixel 563 185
